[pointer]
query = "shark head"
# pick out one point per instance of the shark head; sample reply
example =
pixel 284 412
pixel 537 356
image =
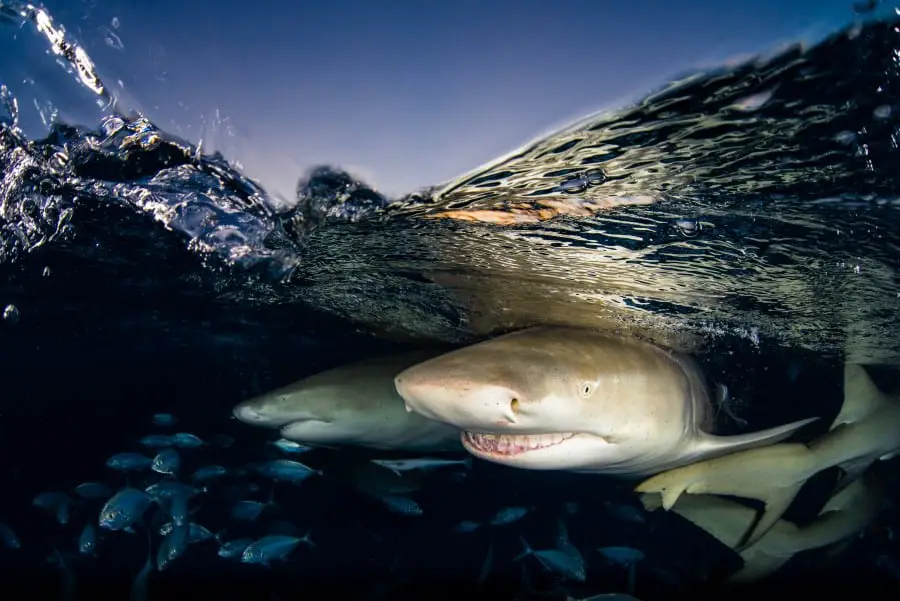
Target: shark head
pixel 354 404
pixel 306 415
pixel 544 398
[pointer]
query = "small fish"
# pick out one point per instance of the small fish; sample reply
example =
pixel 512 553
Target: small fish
pixel 185 440
pixel 197 533
pixel 270 548
pixel 166 462
pixel 290 446
pixel 156 441
pixel 173 546
pixel 564 544
pixel 55 502
pixel 208 473
pixel 87 542
pixel 125 508
pixel 129 462
pixel 93 490
pixel 285 469
pixel 424 463
pixel 467 526
pixel 509 515
pixel 247 511
pixel 556 560
pixel 627 557
pixel 177 506
pixel 9 538
pixel 166 489
pixel 234 548
pixel 164 420
pixel 402 505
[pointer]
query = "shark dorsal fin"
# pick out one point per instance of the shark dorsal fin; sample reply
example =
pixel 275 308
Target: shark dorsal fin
pixel 861 396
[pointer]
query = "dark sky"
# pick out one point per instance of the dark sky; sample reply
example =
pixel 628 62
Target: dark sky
pixel 403 93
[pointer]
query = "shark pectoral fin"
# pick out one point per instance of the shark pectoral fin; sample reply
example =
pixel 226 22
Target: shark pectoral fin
pixel 709 445
pixel 776 501
pixel 670 484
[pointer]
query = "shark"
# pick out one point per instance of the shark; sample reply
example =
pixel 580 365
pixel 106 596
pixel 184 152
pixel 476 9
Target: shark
pixel 562 398
pixel 351 405
pixel 847 513
pixel 866 430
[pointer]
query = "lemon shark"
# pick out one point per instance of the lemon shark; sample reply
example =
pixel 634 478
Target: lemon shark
pixel 866 430
pixel 353 405
pixel 845 514
pixel 559 398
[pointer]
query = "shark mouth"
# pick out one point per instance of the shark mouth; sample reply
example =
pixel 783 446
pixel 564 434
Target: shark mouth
pixel 505 444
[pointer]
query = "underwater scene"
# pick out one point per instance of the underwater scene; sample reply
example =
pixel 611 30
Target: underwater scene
pixel 654 354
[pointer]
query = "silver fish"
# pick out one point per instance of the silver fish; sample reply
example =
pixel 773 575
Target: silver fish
pixel 129 462
pixel 87 542
pixel 166 462
pixel 509 515
pixel 424 463
pixel 270 548
pixel 164 420
pixel 285 469
pixel 402 505
pixel 93 490
pixel 125 508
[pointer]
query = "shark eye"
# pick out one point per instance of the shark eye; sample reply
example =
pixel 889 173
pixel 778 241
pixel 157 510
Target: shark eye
pixel 514 405
pixel 587 389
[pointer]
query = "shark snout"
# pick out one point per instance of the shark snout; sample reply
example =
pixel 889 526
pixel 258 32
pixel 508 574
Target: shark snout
pixel 460 402
pixel 250 413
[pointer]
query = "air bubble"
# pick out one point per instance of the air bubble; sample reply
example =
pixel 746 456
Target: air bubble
pixel 595 177
pixel 574 186
pixel 882 112
pixel 688 227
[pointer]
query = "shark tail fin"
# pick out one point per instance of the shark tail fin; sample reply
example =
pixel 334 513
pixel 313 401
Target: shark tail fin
pixel 861 396
pixel 710 445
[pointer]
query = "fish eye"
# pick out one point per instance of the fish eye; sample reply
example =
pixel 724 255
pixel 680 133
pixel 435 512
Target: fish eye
pixel 587 389
pixel 514 405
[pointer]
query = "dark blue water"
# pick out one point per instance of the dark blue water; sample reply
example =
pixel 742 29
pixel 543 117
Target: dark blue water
pixel 749 215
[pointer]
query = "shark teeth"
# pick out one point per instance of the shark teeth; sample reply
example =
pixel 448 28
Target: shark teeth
pixel 505 444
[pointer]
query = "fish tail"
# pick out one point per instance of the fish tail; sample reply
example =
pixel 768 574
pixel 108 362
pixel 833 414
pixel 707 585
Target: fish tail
pixel 528 550
pixel 218 536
